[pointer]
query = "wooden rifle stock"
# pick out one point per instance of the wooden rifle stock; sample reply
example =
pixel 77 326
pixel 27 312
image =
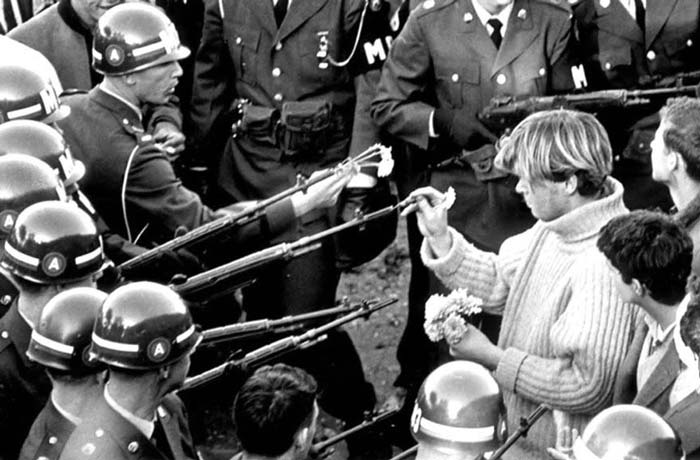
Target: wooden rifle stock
pixel 282 346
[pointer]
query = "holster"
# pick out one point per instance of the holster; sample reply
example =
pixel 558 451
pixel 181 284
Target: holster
pixel 481 161
pixel 257 122
pixel 305 128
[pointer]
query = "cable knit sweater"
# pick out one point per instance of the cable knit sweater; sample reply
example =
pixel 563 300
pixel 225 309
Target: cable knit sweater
pixel 565 328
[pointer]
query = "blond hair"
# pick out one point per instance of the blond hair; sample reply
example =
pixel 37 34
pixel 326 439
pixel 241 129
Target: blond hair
pixel 555 145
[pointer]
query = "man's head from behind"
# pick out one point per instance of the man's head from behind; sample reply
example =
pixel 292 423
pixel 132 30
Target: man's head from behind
pixel 561 158
pixel 652 254
pixel 676 144
pixel 275 411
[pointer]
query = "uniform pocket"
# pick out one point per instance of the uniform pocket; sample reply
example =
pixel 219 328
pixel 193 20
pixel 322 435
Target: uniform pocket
pixel 612 60
pixel 453 88
pixel 244 49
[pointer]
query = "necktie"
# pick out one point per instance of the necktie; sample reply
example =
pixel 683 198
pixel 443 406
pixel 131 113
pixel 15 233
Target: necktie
pixel 160 440
pixel 496 36
pixel 9 15
pixel 640 13
pixel 280 10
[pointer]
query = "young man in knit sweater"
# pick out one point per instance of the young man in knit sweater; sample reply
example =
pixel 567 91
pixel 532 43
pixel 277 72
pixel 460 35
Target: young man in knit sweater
pixel 651 256
pixel 565 327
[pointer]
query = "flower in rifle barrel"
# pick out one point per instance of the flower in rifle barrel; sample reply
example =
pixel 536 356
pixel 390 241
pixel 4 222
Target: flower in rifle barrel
pixel 447 317
pixel 384 164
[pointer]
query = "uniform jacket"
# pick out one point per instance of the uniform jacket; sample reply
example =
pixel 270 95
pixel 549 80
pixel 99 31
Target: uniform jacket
pixel 683 417
pixel 444 58
pixel 104 434
pixel 48 435
pixel 655 393
pixel 67 48
pixel 243 54
pixel 8 293
pixel 107 135
pixel 24 386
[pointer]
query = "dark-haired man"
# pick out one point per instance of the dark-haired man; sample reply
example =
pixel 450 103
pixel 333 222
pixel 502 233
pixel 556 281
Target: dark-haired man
pixel 651 255
pixel 275 414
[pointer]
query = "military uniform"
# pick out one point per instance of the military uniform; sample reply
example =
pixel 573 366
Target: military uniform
pixel 8 293
pixel 617 53
pixel 47 436
pixel 244 54
pixel 105 434
pixel 24 386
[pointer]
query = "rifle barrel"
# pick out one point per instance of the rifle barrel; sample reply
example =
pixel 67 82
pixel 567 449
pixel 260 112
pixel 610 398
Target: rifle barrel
pixel 525 425
pixel 379 418
pixel 406 453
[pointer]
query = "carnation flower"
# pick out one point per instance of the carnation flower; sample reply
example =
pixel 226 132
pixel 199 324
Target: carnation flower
pixel 447 317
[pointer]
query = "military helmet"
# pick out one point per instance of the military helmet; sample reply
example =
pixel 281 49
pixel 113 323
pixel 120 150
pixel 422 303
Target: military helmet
pixel 142 326
pixel 61 339
pixel 458 411
pixel 29 86
pixel 628 432
pixel 54 243
pixel 41 141
pixel 24 181
pixel 135 36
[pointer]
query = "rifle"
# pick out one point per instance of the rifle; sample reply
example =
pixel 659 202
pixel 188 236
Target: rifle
pixel 503 113
pixel 406 453
pixel 677 80
pixel 318 448
pixel 228 277
pixel 525 425
pixel 280 347
pixel 282 325
pixel 214 230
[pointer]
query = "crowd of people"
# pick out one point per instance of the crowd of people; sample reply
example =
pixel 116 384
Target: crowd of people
pixel 128 125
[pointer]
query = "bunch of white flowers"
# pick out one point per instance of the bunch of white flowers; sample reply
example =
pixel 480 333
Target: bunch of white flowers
pixel 446 317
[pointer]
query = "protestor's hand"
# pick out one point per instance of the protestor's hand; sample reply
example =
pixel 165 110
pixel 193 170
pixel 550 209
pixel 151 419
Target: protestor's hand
pixel 564 445
pixel 432 218
pixel 462 128
pixel 475 346
pixel 323 194
pixel 170 138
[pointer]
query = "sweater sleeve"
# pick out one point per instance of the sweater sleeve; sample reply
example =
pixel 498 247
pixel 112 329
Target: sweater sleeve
pixel 484 274
pixel 588 343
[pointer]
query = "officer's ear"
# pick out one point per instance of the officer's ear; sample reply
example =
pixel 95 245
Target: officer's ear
pixel 129 79
pixel 164 372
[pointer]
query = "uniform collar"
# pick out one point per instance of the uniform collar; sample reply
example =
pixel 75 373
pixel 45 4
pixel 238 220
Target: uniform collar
pixel 74 419
pixel 117 103
pixel 144 426
pixel 484 15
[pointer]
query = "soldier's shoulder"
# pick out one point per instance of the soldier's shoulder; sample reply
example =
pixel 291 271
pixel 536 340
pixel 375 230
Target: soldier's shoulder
pixel 428 7
pixel 555 6
pixel 91 442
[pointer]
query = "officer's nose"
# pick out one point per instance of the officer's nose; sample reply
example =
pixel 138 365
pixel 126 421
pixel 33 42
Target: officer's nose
pixel 177 70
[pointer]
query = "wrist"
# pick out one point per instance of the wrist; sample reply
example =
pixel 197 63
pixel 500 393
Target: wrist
pixel 440 244
pixel 442 121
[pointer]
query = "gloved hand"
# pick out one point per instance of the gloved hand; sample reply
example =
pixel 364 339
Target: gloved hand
pixel 462 128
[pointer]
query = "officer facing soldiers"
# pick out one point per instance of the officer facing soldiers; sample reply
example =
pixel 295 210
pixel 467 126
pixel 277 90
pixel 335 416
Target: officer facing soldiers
pixel 60 344
pixel 54 246
pixel 145 335
pixel 23 182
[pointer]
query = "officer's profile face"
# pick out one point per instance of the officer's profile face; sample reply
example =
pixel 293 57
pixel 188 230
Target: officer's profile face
pixel 157 84
pixel 90 11
pixel 660 155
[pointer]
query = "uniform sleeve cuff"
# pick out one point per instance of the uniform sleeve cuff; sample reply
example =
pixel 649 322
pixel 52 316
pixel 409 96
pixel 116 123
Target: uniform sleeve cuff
pixel 448 264
pixel 508 368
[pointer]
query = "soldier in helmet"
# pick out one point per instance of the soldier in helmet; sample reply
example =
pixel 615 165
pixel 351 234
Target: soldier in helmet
pixel 624 432
pixel 145 335
pixel 275 413
pixel 53 246
pixel 129 178
pixel 23 181
pixel 458 413
pixel 60 343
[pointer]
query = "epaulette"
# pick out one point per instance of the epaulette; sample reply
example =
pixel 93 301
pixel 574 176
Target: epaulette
pixel 141 136
pixel 560 4
pixel 428 6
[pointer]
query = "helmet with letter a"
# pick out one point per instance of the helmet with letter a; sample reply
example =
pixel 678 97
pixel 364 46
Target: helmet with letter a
pixel 458 414
pixel 62 337
pixel 24 181
pixel 626 432
pixel 135 36
pixel 41 141
pixel 29 85
pixel 143 326
pixel 54 242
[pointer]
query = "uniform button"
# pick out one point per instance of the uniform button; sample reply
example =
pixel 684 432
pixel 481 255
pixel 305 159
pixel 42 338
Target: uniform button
pixel 42 458
pixel 501 79
pixel 99 432
pixel 276 72
pixel 238 40
pixel 133 447
pixel 53 440
pixel 608 66
pixel 277 97
pixel 468 17
pixel 542 71
pixel 6 299
pixel 4 334
pixel 641 145
pixel 689 42
pixel 455 77
pixel 88 449
pixel 125 121
pixel 651 55
pixel 278 46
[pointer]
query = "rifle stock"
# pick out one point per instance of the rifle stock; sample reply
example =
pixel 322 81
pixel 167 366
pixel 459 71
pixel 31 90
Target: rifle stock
pixel 279 347
pixel 504 113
